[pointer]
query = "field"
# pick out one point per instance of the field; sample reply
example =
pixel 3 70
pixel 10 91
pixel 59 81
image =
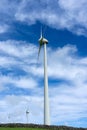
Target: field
pixel 19 126
pixel 3 128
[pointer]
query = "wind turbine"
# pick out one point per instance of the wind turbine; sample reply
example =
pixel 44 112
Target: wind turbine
pixel 27 112
pixel 43 42
pixel 9 116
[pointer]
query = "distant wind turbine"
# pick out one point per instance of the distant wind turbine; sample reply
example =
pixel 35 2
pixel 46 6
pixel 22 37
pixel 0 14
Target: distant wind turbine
pixel 27 113
pixel 43 42
pixel 9 116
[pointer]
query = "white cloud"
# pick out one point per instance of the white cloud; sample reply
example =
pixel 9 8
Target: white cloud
pixel 58 14
pixel 13 53
pixel 66 63
pixel 26 83
pixel 8 9
pixel 21 82
pixel 14 57
pixel 11 47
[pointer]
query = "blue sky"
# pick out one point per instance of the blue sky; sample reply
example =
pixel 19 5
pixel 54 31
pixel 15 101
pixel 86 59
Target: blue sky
pixel 21 75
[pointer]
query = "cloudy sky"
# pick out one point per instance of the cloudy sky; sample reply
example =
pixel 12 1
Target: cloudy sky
pixel 21 75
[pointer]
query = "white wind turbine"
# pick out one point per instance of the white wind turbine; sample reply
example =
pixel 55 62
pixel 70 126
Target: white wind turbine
pixel 43 42
pixel 27 113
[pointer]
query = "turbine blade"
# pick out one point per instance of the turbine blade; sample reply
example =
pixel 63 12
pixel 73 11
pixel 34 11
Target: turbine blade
pixel 41 35
pixel 39 50
pixel 44 30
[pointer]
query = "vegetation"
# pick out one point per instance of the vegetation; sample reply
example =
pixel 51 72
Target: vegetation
pixel 19 126
pixel 3 128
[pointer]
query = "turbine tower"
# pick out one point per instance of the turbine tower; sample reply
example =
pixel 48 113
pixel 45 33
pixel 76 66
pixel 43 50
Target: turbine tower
pixel 44 42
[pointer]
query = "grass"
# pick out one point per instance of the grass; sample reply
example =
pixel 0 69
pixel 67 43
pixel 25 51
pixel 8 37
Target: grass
pixel 19 126
pixel 7 128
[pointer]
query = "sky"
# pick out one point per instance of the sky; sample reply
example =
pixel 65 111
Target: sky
pixel 64 24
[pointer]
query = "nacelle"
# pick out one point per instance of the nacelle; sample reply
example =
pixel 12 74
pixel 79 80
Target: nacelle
pixel 43 41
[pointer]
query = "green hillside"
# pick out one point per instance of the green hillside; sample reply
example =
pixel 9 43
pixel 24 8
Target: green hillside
pixel 19 126
pixel 4 128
